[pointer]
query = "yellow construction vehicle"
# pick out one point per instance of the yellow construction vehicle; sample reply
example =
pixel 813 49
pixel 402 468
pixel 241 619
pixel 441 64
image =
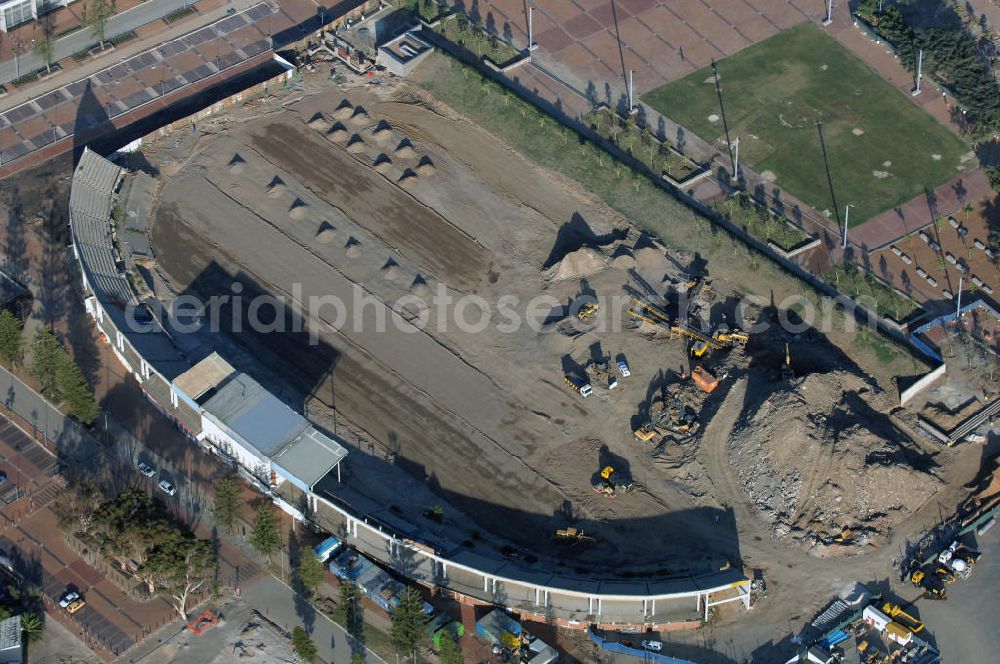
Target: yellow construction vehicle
pixel 731 338
pixel 588 310
pixel 573 536
pixel 610 482
pixel 581 387
pixel 786 368
pixel 603 370
pixel 932 585
pixel 646 432
pixel 897 613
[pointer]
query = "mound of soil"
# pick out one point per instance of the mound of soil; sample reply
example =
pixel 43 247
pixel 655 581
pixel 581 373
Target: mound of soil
pixel 237 164
pixel 356 144
pixel 319 122
pixel 382 163
pixel 344 110
pixel 580 263
pixel 408 179
pixel 337 133
pixel 360 116
pixel 352 248
pixel 651 259
pixel 326 233
pixel 426 167
pixel 420 287
pixel 383 132
pixel 298 209
pixel 391 271
pixel 623 259
pixel 276 188
pixel 406 151
pixel 819 456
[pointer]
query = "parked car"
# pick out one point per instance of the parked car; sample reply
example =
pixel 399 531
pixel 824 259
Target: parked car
pixel 623 368
pixel 76 605
pixel 653 646
pixel 68 598
pixel 3 477
pixel 167 488
pixel 146 469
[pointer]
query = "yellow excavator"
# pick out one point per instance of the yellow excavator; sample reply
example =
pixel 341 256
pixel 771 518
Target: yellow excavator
pixel 588 310
pixel 611 482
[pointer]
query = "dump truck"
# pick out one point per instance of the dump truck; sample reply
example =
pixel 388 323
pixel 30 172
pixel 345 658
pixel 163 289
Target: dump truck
pixel 930 583
pixel 587 311
pixel 957 561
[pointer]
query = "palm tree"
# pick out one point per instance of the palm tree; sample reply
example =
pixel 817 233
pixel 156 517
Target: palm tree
pixel 32 626
pixel 968 210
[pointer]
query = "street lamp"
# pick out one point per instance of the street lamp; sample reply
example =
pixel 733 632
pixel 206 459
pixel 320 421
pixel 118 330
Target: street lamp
pixel 847 215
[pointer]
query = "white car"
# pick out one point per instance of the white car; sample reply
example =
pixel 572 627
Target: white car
pixel 146 469
pixel 653 646
pixel 167 488
pixel 68 598
pixel 623 369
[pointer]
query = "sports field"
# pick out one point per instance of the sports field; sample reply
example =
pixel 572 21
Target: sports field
pixel 881 148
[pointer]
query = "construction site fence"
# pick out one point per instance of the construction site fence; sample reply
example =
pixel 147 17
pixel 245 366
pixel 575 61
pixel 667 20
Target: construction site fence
pixel 860 312
pixel 621 649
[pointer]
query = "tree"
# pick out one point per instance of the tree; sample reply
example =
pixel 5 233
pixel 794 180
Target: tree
pixel 264 537
pixel 77 505
pixel 46 354
pixel 74 389
pixel 303 644
pixel 408 621
pixel 178 567
pixel 993 175
pixel 310 571
pixel 349 612
pixel 44 49
pixel 33 627
pixel 448 650
pixel 96 14
pixel 227 503
pixel 11 338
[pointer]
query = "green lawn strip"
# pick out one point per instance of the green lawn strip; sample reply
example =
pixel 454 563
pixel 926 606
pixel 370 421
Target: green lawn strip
pixel 854 283
pixel 777 90
pixel 762 223
pixel 476 40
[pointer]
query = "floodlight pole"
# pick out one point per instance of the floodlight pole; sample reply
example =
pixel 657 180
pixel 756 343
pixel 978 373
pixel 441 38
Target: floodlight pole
pixel 847 215
pixel 958 309
pixel 829 13
pixel 920 72
pixel 736 162
pixel 531 33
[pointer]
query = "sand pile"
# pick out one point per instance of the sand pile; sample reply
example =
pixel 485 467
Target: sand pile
pixel 383 132
pixel 405 150
pixel 818 457
pixel 237 164
pixel 580 263
pixel 298 209
pixel 276 187
pixel 352 248
pixel 407 179
pixel 356 144
pixel 651 259
pixel 360 116
pixel 419 287
pixel 391 271
pixel 344 110
pixel 338 132
pixel 318 122
pixel 326 233
pixel 623 259
pixel 382 163
pixel 426 166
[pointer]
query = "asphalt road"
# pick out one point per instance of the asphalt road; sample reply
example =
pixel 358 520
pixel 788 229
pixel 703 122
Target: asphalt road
pixel 119 24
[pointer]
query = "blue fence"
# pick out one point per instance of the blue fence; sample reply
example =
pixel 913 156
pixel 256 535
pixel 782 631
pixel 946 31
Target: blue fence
pixel 635 652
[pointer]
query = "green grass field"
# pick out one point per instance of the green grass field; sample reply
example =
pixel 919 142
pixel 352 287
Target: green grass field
pixel 776 91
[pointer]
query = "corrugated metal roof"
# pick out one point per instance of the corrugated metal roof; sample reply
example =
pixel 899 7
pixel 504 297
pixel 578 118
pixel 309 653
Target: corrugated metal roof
pixel 309 457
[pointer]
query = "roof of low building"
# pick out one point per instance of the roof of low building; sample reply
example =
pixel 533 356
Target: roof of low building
pixel 261 419
pixel 204 376
pixel 10 633
pixel 309 457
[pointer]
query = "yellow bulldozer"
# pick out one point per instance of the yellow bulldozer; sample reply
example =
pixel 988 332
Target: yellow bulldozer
pixel 573 536
pixel 610 482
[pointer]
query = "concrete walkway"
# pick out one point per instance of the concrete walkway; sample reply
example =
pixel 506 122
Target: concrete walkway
pixel 20 95
pixel 119 24
pixel 281 605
